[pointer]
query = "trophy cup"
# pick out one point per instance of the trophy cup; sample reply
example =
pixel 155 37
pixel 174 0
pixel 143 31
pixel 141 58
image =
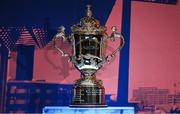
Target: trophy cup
pixel 88 40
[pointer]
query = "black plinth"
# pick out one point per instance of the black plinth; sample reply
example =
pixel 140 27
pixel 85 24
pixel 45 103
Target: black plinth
pixel 88 96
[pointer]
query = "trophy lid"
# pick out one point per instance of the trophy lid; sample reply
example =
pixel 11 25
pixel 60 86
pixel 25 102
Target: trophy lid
pixel 88 25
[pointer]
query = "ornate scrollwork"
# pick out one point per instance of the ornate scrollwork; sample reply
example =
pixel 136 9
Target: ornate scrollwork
pixel 88 25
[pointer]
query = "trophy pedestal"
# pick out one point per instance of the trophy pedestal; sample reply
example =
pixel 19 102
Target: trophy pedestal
pixel 88 92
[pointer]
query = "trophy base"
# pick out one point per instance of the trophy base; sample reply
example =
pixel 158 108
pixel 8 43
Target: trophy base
pixel 88 92
pixel 88 106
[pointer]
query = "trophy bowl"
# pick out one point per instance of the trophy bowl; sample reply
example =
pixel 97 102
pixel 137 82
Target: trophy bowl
pixel 88 40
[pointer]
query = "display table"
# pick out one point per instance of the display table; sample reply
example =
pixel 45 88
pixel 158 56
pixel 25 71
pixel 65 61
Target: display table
pixel 105 110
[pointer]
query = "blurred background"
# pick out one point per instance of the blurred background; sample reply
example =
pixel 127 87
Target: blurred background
pixel 34 75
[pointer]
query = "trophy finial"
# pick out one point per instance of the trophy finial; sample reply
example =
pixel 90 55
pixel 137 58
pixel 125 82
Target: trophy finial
pixel 88 11
pixel 88 24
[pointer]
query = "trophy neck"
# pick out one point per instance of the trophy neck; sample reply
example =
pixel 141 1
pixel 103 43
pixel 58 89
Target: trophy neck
pixel 88 76
pixel 88 80
pixel 88 72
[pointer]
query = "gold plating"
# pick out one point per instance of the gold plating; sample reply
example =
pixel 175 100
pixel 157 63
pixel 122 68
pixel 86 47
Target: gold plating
pixel 88 25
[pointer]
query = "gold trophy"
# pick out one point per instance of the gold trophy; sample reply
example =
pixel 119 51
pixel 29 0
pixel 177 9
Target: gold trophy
pixel 88 40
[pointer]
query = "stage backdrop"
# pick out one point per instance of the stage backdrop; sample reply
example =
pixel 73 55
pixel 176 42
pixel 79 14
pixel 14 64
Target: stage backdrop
pixel 154 48
pixel 154 51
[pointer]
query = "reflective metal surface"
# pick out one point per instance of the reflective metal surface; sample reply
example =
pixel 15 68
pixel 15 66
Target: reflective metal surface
pixel 88 41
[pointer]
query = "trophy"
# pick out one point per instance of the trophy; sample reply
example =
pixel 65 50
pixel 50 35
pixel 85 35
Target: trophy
pixel 88 40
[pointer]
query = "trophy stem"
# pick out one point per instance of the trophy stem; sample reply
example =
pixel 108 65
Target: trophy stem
pixel 88 92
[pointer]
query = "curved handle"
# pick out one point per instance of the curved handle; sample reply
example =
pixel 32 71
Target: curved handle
pixel 60 34
pixel 114 35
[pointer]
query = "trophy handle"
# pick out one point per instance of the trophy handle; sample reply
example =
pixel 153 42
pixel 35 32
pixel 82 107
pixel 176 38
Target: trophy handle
pixel 114 35
pixel 60 34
